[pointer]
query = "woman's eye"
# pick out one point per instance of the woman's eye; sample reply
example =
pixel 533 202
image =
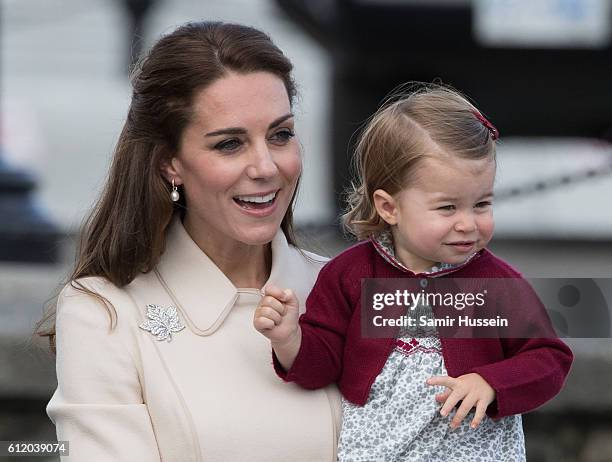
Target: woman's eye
pixel 447 207
pixel 483 204
pixel 228 145
pixel 282 137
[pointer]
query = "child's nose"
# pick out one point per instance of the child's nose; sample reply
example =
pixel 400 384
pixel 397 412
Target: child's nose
pixel 466 223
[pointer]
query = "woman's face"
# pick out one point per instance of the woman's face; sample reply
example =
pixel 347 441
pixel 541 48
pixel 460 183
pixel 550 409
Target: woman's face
pixel 239 161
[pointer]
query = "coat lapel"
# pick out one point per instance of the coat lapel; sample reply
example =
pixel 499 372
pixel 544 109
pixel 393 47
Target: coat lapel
pixel 203 294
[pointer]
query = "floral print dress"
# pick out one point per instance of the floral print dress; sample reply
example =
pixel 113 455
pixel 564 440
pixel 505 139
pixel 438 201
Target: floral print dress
pixel 401 419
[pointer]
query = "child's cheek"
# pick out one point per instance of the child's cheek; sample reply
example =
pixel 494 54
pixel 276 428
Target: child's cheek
pixel 486 228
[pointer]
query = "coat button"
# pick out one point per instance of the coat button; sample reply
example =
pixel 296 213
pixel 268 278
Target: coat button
pixel 423 283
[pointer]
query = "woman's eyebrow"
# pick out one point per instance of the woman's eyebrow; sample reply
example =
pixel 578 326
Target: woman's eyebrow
pixel 242 131
pixel 228 131
pixel 280 120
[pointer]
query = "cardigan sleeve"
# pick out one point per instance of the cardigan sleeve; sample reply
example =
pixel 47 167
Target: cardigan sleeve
pixel 324 326
pixel 534 369
pixel 98 405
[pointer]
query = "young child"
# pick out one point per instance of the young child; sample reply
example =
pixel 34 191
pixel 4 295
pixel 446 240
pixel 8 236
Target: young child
pixel 422 209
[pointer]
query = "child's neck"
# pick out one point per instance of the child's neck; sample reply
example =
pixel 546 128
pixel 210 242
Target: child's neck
pixel 413 262
pixel 410 260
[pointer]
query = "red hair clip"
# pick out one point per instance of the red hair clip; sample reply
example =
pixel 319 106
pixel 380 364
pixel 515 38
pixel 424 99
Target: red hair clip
pixel 492 130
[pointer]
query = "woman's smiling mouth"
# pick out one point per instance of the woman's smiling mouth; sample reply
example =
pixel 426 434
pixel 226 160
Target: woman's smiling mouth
pixel 261 202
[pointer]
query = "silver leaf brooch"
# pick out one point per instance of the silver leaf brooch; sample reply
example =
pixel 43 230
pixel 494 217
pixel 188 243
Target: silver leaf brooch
pixel 162 322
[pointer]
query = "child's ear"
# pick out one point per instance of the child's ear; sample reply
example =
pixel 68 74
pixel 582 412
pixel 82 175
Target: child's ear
pixel 385 206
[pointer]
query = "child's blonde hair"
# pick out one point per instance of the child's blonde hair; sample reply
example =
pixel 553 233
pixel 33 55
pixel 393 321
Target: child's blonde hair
pixel 414 123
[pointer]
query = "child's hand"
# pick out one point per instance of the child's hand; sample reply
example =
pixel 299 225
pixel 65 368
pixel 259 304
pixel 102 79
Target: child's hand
pixel 472 389
pixel 277 314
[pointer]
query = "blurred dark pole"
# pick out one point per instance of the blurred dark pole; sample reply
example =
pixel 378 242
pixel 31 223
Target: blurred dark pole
pixel 26 235
pixel 376 46
pixel 137 11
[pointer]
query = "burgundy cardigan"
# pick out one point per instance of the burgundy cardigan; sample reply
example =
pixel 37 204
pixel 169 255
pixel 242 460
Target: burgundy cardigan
pixel 525 373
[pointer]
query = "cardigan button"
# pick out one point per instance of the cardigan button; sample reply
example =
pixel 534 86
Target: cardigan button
pixel 423 283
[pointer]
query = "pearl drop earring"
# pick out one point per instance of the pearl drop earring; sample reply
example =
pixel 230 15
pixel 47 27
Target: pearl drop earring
pixel 174 195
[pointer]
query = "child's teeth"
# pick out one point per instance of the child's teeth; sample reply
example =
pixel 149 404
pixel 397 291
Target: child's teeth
pixel 257 199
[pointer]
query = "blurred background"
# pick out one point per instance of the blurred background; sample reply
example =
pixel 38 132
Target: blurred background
pixel 541 70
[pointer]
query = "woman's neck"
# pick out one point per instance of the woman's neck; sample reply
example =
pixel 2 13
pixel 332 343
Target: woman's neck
pixel 246 266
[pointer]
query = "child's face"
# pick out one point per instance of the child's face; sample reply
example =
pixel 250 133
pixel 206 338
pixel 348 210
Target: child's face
pixel 445 214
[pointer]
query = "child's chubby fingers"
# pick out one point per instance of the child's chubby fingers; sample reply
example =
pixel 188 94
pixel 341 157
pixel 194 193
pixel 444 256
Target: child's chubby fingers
pixel 451 402
pixel 442 380
pixel 286 296
pixel 466 405
pixel 481 409
pixel 451 396
pixel 441 397
pixel 273 304
pixel 269 313
pixel 262 324
pixel 274 291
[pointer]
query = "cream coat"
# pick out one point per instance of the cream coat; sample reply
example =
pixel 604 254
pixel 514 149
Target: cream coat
pixel 210 394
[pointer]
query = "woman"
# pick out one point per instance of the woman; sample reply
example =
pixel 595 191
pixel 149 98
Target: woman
pixel 156 356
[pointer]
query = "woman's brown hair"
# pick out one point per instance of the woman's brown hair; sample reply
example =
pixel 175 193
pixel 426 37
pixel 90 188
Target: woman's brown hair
pixel 415 121
pixel 125 233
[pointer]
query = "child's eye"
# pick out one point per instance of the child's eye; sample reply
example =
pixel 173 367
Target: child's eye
pixel 282 137
pixel 483 204
pixel 228 145
pixel 447 207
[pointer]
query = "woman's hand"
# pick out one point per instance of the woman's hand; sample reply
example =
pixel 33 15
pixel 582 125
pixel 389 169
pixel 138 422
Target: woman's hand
pixel 276 317
pixel 472 389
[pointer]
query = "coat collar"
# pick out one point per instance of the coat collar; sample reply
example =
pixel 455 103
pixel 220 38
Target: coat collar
pixel 383 243
pixel 202 293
